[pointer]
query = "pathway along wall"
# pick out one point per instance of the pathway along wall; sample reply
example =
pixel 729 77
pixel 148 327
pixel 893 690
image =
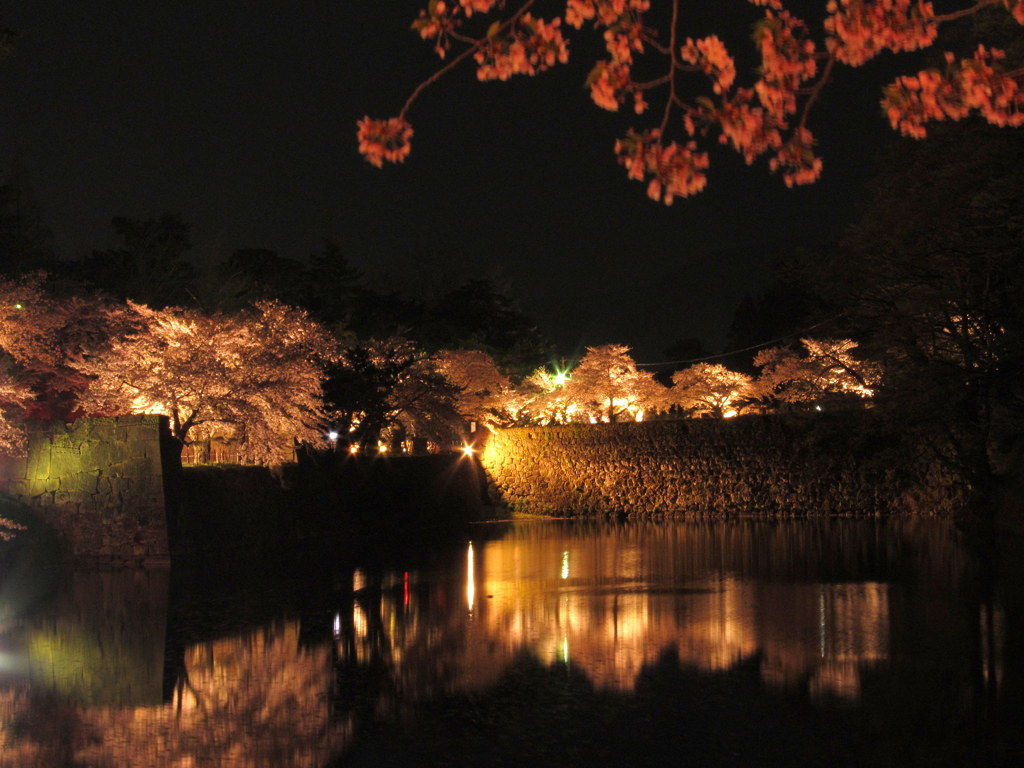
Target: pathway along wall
pixel 767 466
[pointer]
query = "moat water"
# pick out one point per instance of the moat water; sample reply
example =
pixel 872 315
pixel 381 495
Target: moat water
pixel 803 642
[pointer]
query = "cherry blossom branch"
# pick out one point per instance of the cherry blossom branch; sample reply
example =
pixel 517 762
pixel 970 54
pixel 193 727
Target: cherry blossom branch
pixel 672 66
pixel 754 119
pixel 462 38
pixel 653 42
pixel 964 12
pixel 437 75
pixel 648 85
pixel 475 45
pixel 815 92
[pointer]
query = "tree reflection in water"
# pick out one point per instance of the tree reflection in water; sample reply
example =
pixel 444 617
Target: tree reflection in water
pixel 635 590
pixel 259 699
pixel 803 642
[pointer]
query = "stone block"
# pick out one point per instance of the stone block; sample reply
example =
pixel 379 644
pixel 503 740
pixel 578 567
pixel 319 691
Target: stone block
pixel 41 500
pixel 152 463
pixel 86 429
pixel 65 460
pixel 119 484
pixel 104 454
pixel 38 486
pixel 81 483
pixel 38 462
pixel 12 468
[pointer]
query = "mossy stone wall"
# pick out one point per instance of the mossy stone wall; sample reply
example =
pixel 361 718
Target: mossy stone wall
pixel 765 466
pixel 99 483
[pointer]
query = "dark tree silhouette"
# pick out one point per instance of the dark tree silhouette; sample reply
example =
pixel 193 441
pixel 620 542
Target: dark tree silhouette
pixel 933 280
pixel 149 266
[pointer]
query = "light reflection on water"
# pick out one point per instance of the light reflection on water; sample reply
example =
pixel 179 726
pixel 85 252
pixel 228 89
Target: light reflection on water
pixel 628 599
pixel 110 673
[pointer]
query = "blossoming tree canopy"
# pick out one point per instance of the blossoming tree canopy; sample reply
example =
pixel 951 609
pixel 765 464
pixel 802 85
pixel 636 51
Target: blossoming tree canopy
pixel 13 397
pixel 711 389
pixel 483 391
pixel 42 332
pixel 608 387
pixel 39 334
pixel 697 95
pixel 385 388
pixel 826 366
pixel 23 328
pixel 254 376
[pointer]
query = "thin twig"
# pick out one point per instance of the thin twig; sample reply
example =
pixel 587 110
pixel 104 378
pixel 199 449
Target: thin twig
pixel 672 66
pixel 476 45
pixel 816 91
pixel 653 83
pixel 965 12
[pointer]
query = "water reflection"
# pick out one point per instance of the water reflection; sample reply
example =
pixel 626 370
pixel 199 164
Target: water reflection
pixel 850 613
pixel 88 690
pixel 101 641
pixel 470 578
pixel 627 598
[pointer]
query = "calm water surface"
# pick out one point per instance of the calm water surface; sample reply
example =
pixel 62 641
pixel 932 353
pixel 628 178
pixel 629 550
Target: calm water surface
pixel 807 642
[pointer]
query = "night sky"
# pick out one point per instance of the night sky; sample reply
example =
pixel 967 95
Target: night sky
pixel 240 117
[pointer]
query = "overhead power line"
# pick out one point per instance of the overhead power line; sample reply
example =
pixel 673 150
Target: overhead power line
pixel 761 345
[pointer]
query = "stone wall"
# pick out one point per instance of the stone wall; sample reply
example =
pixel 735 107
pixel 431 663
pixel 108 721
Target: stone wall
pixel 99 483
pixel 766 466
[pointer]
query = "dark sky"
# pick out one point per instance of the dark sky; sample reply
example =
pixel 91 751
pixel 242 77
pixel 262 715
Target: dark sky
pixel 240 117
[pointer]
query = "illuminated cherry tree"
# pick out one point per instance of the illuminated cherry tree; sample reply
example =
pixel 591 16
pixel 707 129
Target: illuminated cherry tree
pixel 29 320
pixel 39 334
pixel 711 390
pixel 253 377
pixel 43 332
pixel 543 399
pixel 606 386
pixel 826 366
pixel 13 397
pixel 17 320
pixel 385 388
pixel 692 85
pixel 483 390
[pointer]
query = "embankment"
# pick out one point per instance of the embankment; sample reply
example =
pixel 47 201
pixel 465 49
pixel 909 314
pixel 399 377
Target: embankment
pixel 767 466
pixel 114 492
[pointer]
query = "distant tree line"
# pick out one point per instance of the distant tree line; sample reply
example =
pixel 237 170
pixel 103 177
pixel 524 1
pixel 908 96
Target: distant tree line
pixel 254 349
pixel 916 312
